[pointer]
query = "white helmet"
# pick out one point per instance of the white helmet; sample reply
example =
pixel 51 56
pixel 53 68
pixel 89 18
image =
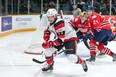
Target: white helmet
pixel 52 12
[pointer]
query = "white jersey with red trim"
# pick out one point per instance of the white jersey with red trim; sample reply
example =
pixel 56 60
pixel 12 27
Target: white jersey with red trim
pixel 63 32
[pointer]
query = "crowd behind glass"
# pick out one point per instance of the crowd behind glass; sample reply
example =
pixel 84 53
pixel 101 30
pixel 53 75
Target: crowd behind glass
pixel 14 7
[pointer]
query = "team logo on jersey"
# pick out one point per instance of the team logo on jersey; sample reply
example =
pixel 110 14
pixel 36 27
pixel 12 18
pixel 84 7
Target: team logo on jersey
pixel 60 31
pixel 94 16
pixel 76 19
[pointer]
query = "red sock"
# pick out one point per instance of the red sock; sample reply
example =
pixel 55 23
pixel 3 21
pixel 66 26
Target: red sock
pixel 107 51
pixel 80 61
pixel 49 60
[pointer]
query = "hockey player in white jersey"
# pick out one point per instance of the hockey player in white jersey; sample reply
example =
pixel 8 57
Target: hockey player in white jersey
pixel 65 36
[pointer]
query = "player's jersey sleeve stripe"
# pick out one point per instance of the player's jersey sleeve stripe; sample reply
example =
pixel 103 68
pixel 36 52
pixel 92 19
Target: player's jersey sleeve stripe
pixel 61 36
pixel 59 24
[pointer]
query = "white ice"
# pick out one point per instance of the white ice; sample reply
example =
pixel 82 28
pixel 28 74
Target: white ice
pixel 15 63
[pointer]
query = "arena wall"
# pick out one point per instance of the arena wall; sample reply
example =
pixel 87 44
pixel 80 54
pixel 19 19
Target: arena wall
pixel 24 23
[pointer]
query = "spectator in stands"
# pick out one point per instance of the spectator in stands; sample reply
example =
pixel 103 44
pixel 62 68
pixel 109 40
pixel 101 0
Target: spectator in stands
pixel 81 5
pixel 45 8
pixel 102 7
pixel 96 5
pixel 52 5
pixel 61 4
pixel 76 11
pixel 114 3
pixel 113 9
pixel 114 6
pixel 48 6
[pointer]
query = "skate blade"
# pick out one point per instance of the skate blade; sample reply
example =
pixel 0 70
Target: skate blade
pixel 48 71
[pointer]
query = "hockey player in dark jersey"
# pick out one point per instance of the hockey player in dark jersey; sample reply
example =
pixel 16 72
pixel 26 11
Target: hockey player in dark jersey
pixel 65 37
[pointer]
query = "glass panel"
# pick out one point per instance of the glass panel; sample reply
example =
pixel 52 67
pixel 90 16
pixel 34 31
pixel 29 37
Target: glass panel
pixel 3 7
pixel 9 6
pixel 23 6
pixel 15 6
pixel 0 7
pixel 36 6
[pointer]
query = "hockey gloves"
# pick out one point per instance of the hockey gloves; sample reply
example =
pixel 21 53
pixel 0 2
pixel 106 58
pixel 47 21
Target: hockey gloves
pixel 46 36
pixel 48 44
pixel 112 37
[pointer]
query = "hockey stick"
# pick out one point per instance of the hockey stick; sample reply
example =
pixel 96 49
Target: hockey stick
pixel 62 15
pixel 41 62
pixel 37 61
pixel 34 53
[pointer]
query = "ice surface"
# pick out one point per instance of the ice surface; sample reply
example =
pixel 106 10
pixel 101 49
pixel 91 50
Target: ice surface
pixel 14 63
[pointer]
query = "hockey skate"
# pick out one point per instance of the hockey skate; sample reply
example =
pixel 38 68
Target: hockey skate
pixel 92 58
pixel 48 67
pixel 114 57
pixel 84 65
pixel 101 54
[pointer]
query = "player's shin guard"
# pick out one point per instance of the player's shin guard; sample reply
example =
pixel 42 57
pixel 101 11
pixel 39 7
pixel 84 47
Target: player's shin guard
pixel 50 64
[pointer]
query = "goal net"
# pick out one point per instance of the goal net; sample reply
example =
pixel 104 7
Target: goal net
pixel 37 38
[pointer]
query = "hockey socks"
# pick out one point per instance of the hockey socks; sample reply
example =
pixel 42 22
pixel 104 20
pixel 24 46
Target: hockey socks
pixel 92 53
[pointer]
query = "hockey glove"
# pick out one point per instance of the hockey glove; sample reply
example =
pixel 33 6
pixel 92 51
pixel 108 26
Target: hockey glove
pixel 48 44
pixel 112 37
pixel 46 36
pixel 88 35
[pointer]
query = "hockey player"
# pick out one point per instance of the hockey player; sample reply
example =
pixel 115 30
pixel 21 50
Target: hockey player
pixel 79 21
pixel 101 31
pixel 65 36
pixel 76 11
pixel 80 24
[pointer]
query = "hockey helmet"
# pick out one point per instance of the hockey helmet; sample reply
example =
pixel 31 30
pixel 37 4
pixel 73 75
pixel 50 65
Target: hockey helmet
pixel 89 8
pixel 52 12
pixel 83 13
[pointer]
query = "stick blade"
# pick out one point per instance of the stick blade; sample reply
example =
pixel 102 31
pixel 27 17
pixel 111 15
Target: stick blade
pixel 33 53
pixel 37 61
